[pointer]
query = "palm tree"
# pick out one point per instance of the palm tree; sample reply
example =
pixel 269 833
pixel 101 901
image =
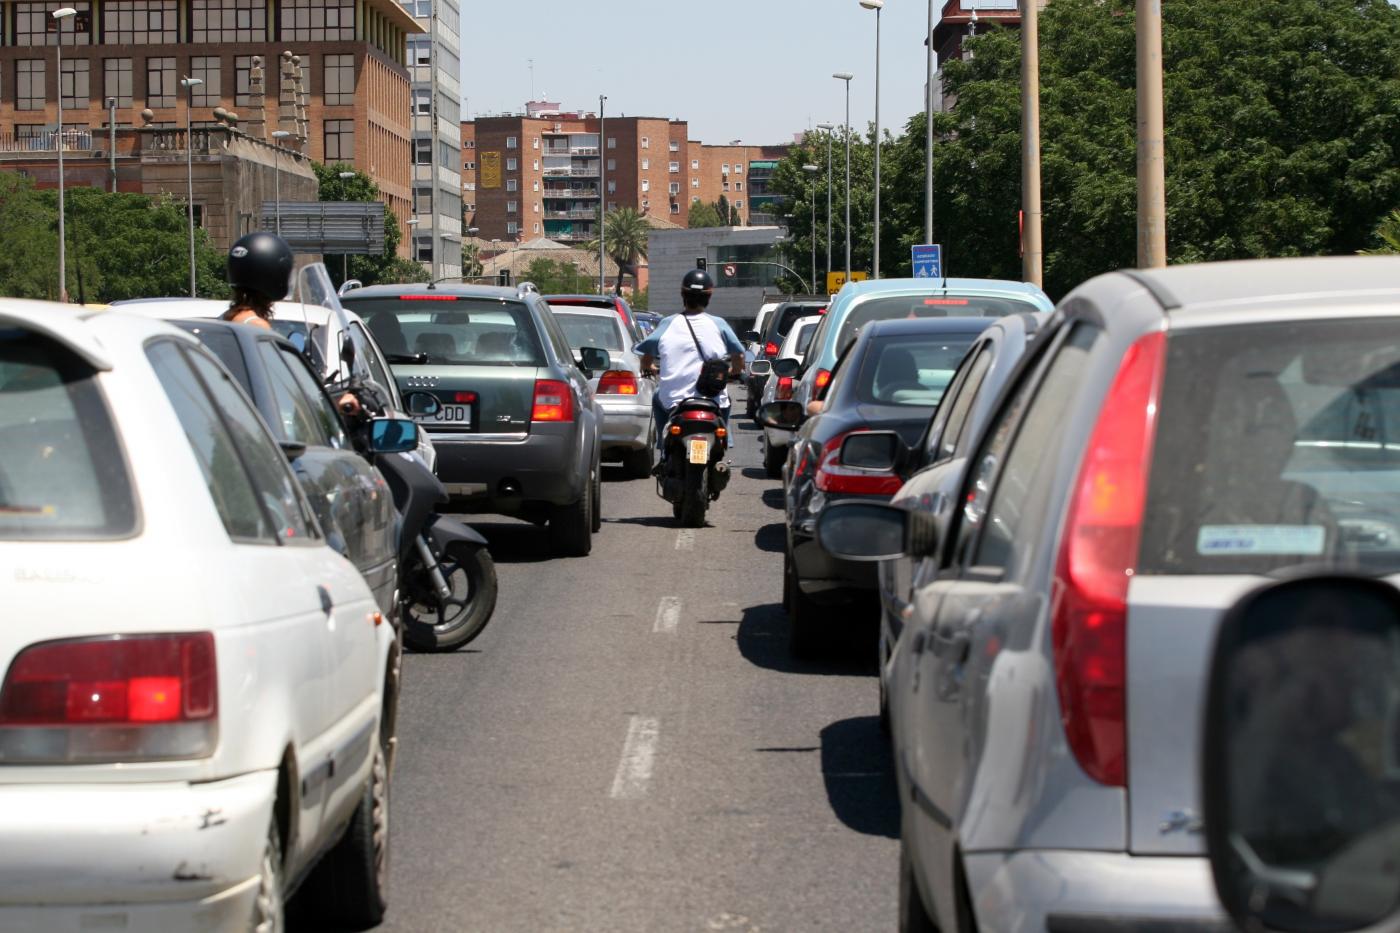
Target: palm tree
pixel 625 236
pixel 1388 232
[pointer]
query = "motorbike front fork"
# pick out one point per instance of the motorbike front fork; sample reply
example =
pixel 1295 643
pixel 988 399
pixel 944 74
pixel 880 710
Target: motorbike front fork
pixel 431 566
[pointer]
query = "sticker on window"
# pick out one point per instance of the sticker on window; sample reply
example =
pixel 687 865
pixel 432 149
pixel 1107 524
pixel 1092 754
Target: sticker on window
pixel 1216 540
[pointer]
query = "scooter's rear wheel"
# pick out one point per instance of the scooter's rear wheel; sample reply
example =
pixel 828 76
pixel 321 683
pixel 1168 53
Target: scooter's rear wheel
pixel 695 499
pixel 432 623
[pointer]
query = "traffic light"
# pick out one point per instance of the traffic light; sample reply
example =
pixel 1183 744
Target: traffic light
pixel 700 262
pixel 503 278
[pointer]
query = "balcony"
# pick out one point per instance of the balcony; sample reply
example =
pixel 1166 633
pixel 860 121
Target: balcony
pixel 584 151
pixel 47 140
pixel 583 172
pixel 554 192
pixel 571 215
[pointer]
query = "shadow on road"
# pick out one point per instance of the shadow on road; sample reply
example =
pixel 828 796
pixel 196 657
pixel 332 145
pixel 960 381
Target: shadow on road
pixel 515 542
pixel 771 537
pixel 614 473
pixel 763 640
pixel 858 770
pixel 773 498
pixel 755 473
pixel 646 521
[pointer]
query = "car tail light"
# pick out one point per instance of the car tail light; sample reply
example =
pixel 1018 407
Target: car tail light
pixel 111 699
pixel 834 476
pixel 466 398
pixel 617 382
pixel 770 349
pixel 822 379
pixel 1098 554
pixel 553 401
pixel 783 392
pixel 427 298
pixel 698 416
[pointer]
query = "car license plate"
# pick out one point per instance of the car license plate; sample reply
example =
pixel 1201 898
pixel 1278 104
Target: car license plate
pixel 699 450
pixel 449 414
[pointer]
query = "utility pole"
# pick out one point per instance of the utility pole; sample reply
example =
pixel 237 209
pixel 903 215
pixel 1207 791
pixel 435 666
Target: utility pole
pixel 1031 269
pixel 928 126
pixel 1151 161
pixel 436 263
pixel 603 196
pixel 112 140
pixel 828 129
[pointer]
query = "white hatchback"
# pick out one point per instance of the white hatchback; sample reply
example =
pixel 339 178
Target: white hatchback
pixel 197 698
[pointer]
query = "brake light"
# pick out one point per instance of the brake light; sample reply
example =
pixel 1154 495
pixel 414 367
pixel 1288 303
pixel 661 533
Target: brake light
pixel 823 379
pixel 834 476
pixel 784 390
pixel 553 401
pixel 1098 555
pixel 114 698
pixel 700 415
pixel 427 298
pixel 466 398
pixel 770 349
pixel 617 382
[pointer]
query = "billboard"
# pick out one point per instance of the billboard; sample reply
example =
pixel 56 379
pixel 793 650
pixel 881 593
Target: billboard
pixel 489 171
pixel 328 226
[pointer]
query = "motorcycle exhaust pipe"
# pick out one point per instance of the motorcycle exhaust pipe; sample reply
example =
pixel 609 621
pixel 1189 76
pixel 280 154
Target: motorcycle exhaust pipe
pixel 720 478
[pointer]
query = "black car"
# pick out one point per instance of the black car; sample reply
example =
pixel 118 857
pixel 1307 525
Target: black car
pixel 349 495
pixel 774 330
pixel 891 378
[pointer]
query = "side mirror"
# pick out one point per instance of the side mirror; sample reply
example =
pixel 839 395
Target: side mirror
pixel 595 359
pixel 422 404
pixel 761 367
pixel 292 449
pixel 787 366
pixel 863 531
pixel 751 336
pixel 785 416
pixel 392 435
pixel 1301 756
pixel 347 353
pixel 877 451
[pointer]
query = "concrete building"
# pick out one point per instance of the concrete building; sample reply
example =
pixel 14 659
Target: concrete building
pixel 959 20
pixel 124 56
pixel 751 253
pixel 468 179
pixel 434 64
pixel 725 170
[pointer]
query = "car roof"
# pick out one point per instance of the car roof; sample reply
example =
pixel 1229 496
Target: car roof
pixel 422 288
pixel 992 287
pixel 599 300
pixel 170 309
pixel 587 310
pixel 82 329
pixel 1265 282
pixel 928 325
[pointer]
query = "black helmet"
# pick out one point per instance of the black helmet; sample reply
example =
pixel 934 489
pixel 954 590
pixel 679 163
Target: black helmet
pixel 696 288
pixel 261 262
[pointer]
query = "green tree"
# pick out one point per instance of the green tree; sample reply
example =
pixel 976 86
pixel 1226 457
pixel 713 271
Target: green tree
pixel 641 299
pixel 625 236
pixel 471 260
pixel 1388 235
pixel 798 188
pixel 388 268
pixel 704 215
pixel 553 277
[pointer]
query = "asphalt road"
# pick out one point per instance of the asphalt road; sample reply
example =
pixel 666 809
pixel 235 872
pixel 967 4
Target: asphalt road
pixel 629 746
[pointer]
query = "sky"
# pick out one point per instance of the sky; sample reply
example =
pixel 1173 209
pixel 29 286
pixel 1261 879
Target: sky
pixel 755 70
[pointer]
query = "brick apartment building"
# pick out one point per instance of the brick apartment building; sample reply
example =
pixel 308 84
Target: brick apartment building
pixel 961 19
pixel 134 52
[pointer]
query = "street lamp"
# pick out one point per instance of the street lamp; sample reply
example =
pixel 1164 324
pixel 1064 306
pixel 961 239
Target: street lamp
pixel 345 257
pixel 827 128
pixel 847 76
pixel 189 84
pixel 603 198
pixel 812 170
pixel 60 16
pixel 278 135
pixel 928 130
pixel 877 6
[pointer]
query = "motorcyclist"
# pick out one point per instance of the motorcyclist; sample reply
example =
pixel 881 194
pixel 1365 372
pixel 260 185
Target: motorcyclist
pixel 675 349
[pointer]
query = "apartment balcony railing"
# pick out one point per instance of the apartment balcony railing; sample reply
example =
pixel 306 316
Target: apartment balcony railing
pixel 584 172
pixel 569 192
pixel 571 215
pixel 584 151
pixel 572 236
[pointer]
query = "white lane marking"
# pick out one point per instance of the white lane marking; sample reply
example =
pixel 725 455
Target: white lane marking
pixel 685 539
pixel 668 615
pixel 638 759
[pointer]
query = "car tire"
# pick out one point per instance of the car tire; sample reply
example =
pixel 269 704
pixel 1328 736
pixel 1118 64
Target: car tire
pixel 571 527
pixel 804 622
pixel 773 458
pixel 351 885
pixel 597 507
pixel 638 463
pixel 913 915
pixel 269 906
pixel 470 569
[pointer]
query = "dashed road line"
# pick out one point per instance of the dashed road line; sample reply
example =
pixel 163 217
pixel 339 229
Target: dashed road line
pixel 685 539
pixel 638 759
pixel 668 615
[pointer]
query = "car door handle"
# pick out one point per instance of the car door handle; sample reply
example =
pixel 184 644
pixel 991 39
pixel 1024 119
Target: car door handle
pixel 952 645
pixel 327 604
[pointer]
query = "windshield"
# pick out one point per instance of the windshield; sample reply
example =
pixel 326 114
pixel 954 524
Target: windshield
pixel 925 305
pixel 452 329
pixel 590 330
pixel 62 474
pixel 910 370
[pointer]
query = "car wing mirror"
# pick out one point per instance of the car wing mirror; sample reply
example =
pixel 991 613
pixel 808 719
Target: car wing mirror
pixel 876 451
pixel 751 336
pixel 594 359
pixel 292 449
pixel 864 531
pixel 422 404
pixel 787 366
pixel 392 435
pixel 783 416
pixel 1301 757
pixel 761 367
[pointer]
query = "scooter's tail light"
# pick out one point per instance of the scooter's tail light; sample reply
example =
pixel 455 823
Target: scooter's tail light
pixel 699 415
pixel 115 698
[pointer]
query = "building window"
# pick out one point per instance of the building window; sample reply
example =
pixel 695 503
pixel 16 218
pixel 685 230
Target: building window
pixel 537 207
pixel 339 79
pixel 512 184
pixel 646 165
pixel 420 50
pixel 675 208
pixel 646 185
pixel 612 187
pixel 139 22
pixel 537 142
pixel 646 205
pixel 29 84
pixel 612 142
pixel 469 166
pixel 74 83
pixel 116 80
pixel 512 165
pixel 725 186
pixel 695 199
pixel 425 250
pixel 695 183
pixel 724 169
pixel 695 165
pixel 675 146
pixel 422 101
pixel 512 207
pixel 228 20
pixel 535 186
pixel 537 165
pixel 738 169
pixel 469 144
pixel 243 82
pixel 675 187
pixel 612 165
pixel 160 82
pixel 674 167
pixel 422 151
pixel 537 228
pixel 512 142
pixel 206 69
pixel 318 20
pixel 340 140
pixel 646 143
pixel 422 200
pixel 32 23
pixel 738 205
pixel 512 228
pixel 738 186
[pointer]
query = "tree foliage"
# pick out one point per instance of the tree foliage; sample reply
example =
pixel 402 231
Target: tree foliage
pixel 554 277
pixel 704 215
pixel 388 268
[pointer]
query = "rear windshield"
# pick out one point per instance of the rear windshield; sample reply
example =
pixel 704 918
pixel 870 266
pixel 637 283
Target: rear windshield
pixel 912 369
pixel 224 345
pixel 803 340
pixel 1278 445
pixel 790 316
pixel 62 474
pixel 590 330
pixel 452 330
pixel 917 306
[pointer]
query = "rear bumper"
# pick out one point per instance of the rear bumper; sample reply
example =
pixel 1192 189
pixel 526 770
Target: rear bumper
pixel 626 426
pixel 543 465
pixel 827 578
pixel 1093 892
pixel 133 856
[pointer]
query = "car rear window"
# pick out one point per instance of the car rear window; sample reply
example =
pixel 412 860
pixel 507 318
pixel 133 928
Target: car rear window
pixel 804 338
pixel 918 306
pixel 790 316
pixel 1278 445
pixel 446 329
pixel 912 369
pixel 590 330
pixel 62 473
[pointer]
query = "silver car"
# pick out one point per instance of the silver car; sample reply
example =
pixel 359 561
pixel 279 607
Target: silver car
pixel 776 440
pixel 623 392
pixel 1173 438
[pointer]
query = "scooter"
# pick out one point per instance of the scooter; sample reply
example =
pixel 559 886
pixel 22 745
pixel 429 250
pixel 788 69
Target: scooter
pixel 694 471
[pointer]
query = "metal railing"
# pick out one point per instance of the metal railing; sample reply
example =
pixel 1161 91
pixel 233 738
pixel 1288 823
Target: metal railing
pixel 569 192
pixel 570 215
pixel 47 141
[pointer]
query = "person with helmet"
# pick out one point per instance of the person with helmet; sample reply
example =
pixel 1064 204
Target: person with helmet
pixel 260 271
pixel 682 343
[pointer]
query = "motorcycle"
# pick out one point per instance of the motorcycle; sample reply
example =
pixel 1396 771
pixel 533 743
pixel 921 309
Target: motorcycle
pixel 694 471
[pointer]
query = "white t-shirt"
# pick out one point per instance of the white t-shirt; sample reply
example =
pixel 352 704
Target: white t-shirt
pixel 678 358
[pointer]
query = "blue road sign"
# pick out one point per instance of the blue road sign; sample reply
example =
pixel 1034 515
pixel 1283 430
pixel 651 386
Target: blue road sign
pixel 928 261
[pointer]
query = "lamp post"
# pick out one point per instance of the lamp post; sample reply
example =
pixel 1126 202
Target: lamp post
pixel 345 257
pixel 847 76
pixel 60 16
pixel 827 128
pixel 603 196
pixel 278 135
pixel 812 171
pixel 189 84
pixel 877 6
pixel 112 140
pixel 928 129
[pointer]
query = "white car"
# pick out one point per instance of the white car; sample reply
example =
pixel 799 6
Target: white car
pixel 196 710
pixel 776 441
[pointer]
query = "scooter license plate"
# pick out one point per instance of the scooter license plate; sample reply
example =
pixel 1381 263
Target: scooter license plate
pixel 699 450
